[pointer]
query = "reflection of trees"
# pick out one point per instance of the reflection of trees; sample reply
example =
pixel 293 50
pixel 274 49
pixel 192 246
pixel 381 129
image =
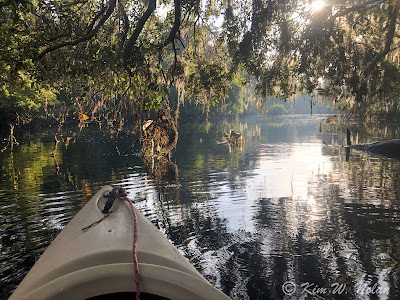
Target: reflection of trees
pixel 289 246
pixel 232 261
pixel 204 228
pixel 244 273
pixel 368 133
pixel 301 249
pixel 372 212
pixel 346 231
pixel 39 197
pixel 372 179
pixel 25 229
pixel 345 228
pixel 161 168
pixel 205 161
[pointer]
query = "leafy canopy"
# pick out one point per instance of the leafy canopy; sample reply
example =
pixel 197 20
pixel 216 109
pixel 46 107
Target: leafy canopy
pixel 124 56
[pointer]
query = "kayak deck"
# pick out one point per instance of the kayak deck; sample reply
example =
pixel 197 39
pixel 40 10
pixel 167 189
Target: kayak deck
pixel 81 264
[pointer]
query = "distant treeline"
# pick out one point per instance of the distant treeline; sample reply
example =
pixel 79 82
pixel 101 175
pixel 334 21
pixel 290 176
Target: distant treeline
pixel 239 104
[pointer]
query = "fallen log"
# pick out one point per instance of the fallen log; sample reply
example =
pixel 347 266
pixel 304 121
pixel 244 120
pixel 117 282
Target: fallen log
pixel 389 148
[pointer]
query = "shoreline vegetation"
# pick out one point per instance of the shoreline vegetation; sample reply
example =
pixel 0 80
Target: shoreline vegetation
pixel 106 62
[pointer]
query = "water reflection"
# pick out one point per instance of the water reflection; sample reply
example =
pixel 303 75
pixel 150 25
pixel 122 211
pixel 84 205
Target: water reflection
pixel 285 207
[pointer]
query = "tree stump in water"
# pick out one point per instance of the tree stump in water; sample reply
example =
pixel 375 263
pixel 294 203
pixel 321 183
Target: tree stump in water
pixel 159 136
pixel 233 137
pixel 233 140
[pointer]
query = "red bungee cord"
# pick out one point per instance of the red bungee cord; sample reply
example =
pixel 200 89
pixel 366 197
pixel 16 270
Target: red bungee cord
pixel 123 195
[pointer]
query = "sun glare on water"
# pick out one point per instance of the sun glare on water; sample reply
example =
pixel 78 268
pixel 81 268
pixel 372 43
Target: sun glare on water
pixel 317 5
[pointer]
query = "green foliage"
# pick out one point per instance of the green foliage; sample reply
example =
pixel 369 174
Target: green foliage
pixel 209 83
pixel 26 95
pixel 124 56
pixel 235 103
pixel 343 51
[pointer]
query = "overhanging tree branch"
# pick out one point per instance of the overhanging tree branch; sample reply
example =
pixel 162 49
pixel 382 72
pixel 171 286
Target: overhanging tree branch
pixel 125 26
pixel 361 6
pixel 90 32
pixel 393 13
pixel 175 27
pixel 138 29
pixel 96 17
pixel 175 64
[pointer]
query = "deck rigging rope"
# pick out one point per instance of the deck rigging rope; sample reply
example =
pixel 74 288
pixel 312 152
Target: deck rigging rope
pixel 123 195
pixel 95 223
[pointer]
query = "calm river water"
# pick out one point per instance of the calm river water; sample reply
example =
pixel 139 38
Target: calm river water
pixel 287 213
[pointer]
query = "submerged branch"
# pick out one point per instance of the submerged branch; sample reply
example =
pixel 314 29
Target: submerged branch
pixel 11 141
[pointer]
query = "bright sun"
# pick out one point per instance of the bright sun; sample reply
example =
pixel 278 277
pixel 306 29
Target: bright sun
pixel 317 5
